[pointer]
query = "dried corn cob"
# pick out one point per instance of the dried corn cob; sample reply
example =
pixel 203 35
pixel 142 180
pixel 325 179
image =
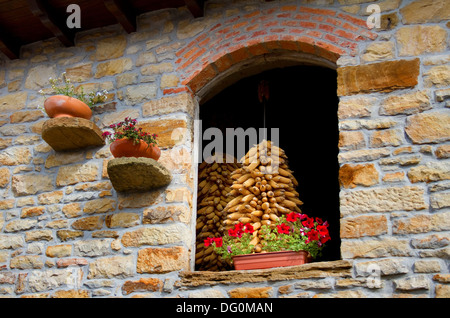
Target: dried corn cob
pixel 214 186
pixel 263 189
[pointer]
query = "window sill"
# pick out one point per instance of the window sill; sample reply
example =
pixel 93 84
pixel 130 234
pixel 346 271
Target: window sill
pixel 341 268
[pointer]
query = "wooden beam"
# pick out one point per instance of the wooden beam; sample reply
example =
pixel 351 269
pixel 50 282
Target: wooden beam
pixel 123 13
pixel 196 7
pixel 59 30
pixel 8 46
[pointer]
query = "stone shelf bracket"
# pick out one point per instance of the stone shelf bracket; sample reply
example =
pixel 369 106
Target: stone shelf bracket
pixel 71 133
pixel 130 174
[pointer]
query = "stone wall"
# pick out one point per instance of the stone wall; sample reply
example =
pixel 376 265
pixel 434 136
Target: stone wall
pixel 65 232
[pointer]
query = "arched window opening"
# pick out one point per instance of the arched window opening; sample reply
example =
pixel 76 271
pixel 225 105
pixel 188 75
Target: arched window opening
pixel 302 104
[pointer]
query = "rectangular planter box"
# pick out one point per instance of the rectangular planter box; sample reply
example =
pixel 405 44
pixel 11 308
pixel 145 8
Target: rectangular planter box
pixel 270 260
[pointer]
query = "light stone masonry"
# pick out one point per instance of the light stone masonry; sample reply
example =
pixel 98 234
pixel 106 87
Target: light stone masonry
pixel 66 232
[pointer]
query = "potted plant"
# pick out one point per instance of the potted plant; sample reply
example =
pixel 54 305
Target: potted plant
pixel 69 102
pixel 129 141
pixel 295 239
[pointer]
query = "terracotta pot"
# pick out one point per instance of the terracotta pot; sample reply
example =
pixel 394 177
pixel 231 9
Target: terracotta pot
pixel 126 148
pixel 65 106
pixel 269 260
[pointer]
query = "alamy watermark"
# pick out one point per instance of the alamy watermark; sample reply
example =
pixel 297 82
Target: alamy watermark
pixel 233 144
pixel 74 19
pixel 374 19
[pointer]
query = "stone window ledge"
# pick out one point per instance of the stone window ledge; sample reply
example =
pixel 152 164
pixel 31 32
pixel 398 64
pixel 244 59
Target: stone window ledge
pixel 341 268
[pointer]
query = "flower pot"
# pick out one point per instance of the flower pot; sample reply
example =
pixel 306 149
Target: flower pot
pixel 126 148
pixel 65 106
pixel 269 260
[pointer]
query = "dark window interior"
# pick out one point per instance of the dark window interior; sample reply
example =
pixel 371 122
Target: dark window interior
pixel 303 105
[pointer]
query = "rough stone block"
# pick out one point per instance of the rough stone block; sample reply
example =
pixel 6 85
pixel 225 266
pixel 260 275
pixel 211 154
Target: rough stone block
pixel 29 184
pixel 162 260
pixel 73 174
pixel 428 127
pixel 67 133
pixel 137 174
pixel 382 200
pixel 378 77
pixel 366 225
pixel 352 175
pixel 422 11
pixel 417 40
pixel 170 132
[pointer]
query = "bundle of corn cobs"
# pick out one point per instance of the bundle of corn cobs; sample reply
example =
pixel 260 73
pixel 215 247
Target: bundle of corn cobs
pixel 263 189
pixel 213 195
pixel 257 191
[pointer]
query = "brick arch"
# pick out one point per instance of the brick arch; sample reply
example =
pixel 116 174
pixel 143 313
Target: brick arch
pixel 286 32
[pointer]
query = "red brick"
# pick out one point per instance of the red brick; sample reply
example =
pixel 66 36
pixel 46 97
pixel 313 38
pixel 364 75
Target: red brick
pixel 240 54
pixel 223 63
pixel 193 58
pixel 328 51
pixel 302 16
pixel 346 35
pixel 310 25
pixel 307 45
pixel 191 52
pixel 326 27
pixel 283 15
pixel 176 90
pixel 353 20
pixel 232 20
pixel 289 45
pixel 288 8
pixel 205 41
pixel 350 27
pixel 251 15
pixel 205 75
pixel 258 33
pixel 215 27
pixel 270 24
pixel 201 37
pixel 252 27
pixel 297 31
pixel 290 23
pixel 316 34
pixel 318 11
pixel 241 38
pixel 278 30
pixel 257 49
pixel 230 35
pixel 368 34
pixel 224 30
pixel 240 24
pixel 333 21
pixel 332 38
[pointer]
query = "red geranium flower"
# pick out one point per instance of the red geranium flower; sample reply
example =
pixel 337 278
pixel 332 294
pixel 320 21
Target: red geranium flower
pixel 313 235
pixel 323 230
pixel 283 229
pixel 208 241
pixel 324 239
pixel 309 222
pixel 218 241
pixel 248 228
pixel 232 232
pixel 292 217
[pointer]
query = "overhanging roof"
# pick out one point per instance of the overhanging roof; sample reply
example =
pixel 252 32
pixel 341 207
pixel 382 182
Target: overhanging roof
pixel 27 21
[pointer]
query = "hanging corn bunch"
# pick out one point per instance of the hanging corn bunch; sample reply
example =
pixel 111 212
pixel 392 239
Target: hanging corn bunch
pixel 263 189
pixel 214 186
